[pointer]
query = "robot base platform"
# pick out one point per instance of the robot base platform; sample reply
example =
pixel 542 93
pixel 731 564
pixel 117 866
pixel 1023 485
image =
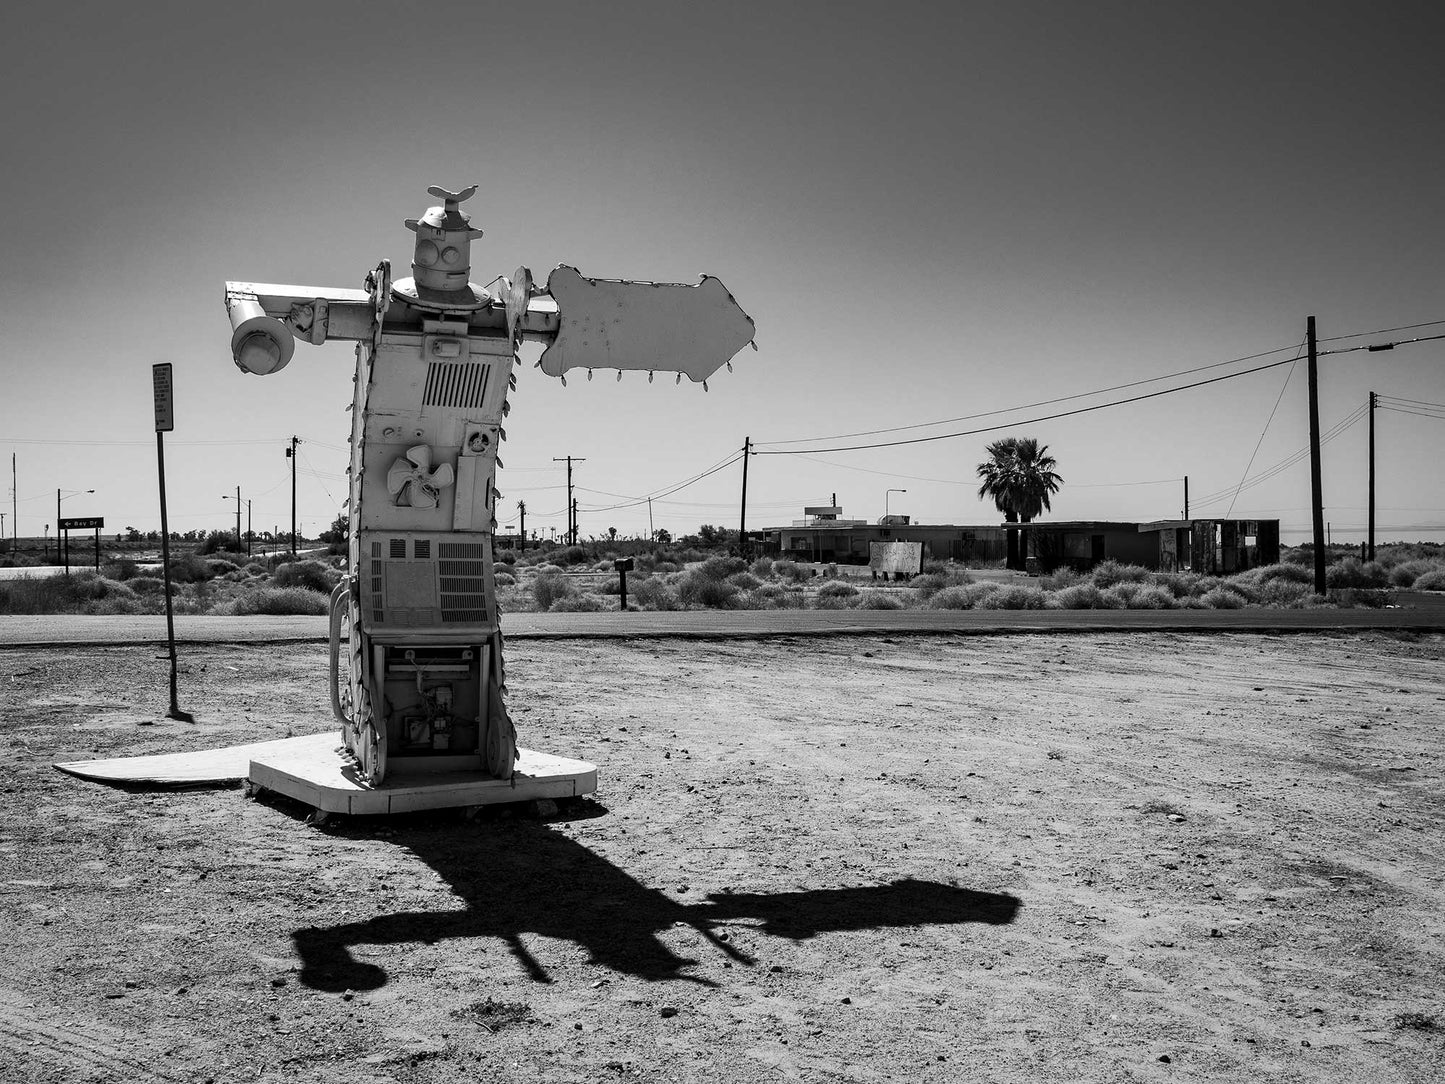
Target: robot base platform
pixel 315 770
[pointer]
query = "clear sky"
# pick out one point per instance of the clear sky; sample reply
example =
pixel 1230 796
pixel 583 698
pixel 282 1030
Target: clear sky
pixel 932 211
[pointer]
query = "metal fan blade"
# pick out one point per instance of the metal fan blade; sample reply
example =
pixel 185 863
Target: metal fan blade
pixel 442 477
pixel 420 455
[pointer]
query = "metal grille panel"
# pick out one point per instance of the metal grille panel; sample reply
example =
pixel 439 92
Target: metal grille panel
pixel 455 384
pixel 462 582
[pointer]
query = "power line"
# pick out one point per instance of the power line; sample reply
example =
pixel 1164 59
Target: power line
pixel 1031 406
pixel 1045 417
pixel 1272 411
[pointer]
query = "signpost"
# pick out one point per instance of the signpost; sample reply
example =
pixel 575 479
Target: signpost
pixel 165 423
pixel 86 523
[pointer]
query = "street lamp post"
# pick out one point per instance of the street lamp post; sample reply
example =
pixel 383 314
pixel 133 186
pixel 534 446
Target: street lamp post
pixel 227 497
pixel 885 499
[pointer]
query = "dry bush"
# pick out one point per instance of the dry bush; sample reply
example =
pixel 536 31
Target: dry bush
pixel 1011 597
pixel 880 600
pixel 1408 573
pixel 1352 573
pixel 579 603
pixel 720 567
pixel 1108 573
pixel 122 569
pixel 652 593
pixel 962 596
pixel 1059 578
pixel 1431 581
pixel 774 596
pixel 281 601
pixel 311 575
pixel 504 579
pixel 1349 598
pixel 744 581
pixel 1146 596
pixel 762 568
pixel 698 591
pixel 1223 597
pixel 549 588
pixel 147 585
pixel 1081 596
pixel 190 569
pixel 1184 585
pixel 790 571
pixel 835 595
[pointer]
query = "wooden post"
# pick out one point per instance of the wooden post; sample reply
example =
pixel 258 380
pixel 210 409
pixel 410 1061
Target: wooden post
pixel 1317 499
pixel 1370 542
pixel 743 514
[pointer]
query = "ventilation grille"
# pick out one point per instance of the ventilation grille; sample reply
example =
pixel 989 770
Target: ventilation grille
pixel 455 384
pixel 421 548
pixel 462 582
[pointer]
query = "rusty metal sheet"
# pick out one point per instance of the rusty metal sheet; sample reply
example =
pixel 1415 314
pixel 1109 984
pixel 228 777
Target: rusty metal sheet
pixel 651 326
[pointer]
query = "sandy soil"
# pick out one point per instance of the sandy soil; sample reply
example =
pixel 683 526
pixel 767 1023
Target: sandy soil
pixel 1024 858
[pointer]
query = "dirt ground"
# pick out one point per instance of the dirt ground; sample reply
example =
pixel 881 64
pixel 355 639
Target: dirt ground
pixel 986 858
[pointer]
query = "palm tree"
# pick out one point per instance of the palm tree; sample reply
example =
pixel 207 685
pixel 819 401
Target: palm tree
pixel 1019 477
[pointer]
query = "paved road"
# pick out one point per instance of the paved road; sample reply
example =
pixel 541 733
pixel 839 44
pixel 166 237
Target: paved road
pixel 1418 611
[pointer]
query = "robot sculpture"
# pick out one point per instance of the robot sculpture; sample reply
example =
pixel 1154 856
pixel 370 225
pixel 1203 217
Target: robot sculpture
pixel 417 678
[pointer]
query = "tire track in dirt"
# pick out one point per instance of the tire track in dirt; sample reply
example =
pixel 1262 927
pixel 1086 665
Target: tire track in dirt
pixel 87 1049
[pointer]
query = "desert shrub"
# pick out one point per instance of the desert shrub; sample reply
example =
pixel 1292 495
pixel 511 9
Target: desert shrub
pixel 835 595
pixel 762 567
pixel 1059 578
pixel 1107 573
pixel 790 571
pixel 936 568
pixel 547 568
pixel 695 590
pixel 652 593
pixel 1289 573
pixel 928 584
pixel 880 600
pixel 1150 596
pixel 721 567
pixel 1284 594
pixel 1431 581
pixel 961 596
pixel 220 566
pixel 122 569
pixel 744 581
pixel 1352 573
pixel 1080 596
pixel 147 585
pixel 688 556
pixel 1223 597
pixel 579 603
pixel 548 588
pixel 773 596
pixel 280 601
pixel 571 555
pixel 1349 598
pixel 311 575
pixel 1407 572
pixel 190 569
pixel 1183 585
pixel 504 579
pixel 1011 597
pixel 115 604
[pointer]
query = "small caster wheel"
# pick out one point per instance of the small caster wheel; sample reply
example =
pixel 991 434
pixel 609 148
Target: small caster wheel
pixel 317 817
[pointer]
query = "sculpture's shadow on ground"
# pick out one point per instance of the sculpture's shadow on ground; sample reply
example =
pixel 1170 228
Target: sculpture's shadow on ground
pixel 517 878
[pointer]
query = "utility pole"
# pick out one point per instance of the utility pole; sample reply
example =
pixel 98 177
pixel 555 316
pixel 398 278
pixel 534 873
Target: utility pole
pixel 238 519
pixel 1317 492
pixel 522 515
pixel 1370 543
pixel 651 534
pixel 571 504
pixel 743 515
pixel 14 502
pixel 291 455
pixel 1186 496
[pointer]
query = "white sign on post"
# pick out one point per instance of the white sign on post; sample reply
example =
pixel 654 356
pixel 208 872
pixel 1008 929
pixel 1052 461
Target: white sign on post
pixel 896 557
pixel 161 381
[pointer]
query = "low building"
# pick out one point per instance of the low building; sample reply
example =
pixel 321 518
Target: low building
pixel 1211 546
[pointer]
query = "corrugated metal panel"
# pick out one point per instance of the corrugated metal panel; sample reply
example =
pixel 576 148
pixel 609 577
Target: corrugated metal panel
pixel 455 384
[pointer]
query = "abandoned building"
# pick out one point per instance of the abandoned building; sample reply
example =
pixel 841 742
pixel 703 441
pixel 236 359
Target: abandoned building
pixel 1211 546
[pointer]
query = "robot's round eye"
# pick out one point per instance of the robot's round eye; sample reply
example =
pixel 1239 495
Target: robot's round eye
pixel 450 256
pixel 426 253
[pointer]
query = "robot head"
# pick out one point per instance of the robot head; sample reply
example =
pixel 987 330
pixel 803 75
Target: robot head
pixel 442 259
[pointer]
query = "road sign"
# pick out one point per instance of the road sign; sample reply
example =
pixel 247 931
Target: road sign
pixel 88 523
pixel 161 380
